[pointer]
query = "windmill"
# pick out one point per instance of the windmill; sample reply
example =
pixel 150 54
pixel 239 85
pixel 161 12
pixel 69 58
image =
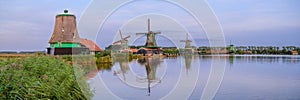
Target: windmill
pixel 187 41
pixel 151 41
pixel 123 42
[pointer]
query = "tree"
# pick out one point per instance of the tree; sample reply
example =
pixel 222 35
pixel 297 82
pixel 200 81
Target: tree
pixel 239 51
pixel 284 50
pixel 231 49
pixel 270 50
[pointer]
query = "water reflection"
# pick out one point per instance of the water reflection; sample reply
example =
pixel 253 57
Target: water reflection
pixel 256 59
pixel 231 60
pixel 151 65
pixel 188 62
pixel 104 66
pixel 249 76
pixel 124 66
pixel 266 59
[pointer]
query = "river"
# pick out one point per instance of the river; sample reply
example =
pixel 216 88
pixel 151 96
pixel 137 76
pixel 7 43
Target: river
pixel 224 77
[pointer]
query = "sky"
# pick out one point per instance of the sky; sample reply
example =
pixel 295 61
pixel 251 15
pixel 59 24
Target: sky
pixel 27 25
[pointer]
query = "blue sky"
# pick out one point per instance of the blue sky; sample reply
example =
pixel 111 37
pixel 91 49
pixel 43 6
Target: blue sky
pixel 28 24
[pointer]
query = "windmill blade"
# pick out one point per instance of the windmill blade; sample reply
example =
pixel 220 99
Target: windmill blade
pixel 149 25
pixel 158 32
pixel 120 34
pixel 187 36
pixel 117 42
pixel 126 37
pixel 182 40
pixel 141 33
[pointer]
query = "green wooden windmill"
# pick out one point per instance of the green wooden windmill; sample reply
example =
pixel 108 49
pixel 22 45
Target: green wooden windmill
pixel 65 39
pixel 231 48
pixel 151 40
pixel 65 34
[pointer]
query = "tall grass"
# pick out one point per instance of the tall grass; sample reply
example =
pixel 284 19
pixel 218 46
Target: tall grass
pixel 41 77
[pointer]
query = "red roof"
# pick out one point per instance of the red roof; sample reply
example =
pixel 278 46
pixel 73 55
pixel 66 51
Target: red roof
pixel 90 44
pixel 133 50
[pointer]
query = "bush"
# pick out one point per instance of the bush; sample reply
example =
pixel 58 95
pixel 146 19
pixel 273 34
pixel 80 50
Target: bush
pixel 239 51
pixel 104 53
pixel 41 77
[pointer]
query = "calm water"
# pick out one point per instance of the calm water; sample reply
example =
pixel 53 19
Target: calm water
pixel 201 77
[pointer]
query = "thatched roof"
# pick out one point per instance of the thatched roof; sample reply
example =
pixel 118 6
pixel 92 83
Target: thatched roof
pixel 65 29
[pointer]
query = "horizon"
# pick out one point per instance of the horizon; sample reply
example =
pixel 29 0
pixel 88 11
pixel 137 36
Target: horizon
pixel 28 25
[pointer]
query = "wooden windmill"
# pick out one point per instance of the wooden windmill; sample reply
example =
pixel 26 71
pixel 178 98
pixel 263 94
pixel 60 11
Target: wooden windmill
pixel 151 40
pixel 65 39
pixel 123 42
pixel 187 41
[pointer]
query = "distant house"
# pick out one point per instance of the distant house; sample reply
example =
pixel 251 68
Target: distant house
pixel 65 39
pixel 248 52
pixel 134 50
pixel 292 52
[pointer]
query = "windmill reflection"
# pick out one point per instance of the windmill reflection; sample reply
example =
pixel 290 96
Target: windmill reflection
pixel 151 65
pixel 124 66
pixel 188 61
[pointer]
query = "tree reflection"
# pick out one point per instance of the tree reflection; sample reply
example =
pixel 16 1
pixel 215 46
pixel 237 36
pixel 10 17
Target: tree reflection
pixel 231 60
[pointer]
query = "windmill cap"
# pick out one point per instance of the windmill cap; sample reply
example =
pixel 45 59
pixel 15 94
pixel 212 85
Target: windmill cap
pixel 66 13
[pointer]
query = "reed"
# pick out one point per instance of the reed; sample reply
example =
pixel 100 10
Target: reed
pixel 41 77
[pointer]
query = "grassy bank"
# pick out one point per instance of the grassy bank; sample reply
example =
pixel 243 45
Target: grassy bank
pixel 41 77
